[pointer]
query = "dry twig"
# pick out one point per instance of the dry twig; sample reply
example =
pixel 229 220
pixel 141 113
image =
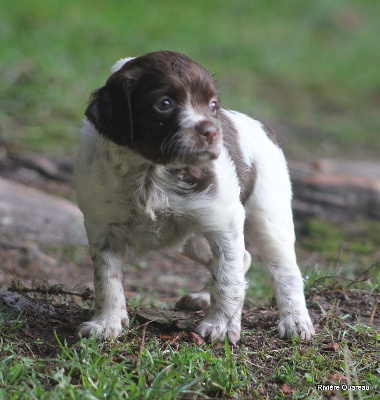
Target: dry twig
pixel 142 347
pixel 373 313
pixel 45 288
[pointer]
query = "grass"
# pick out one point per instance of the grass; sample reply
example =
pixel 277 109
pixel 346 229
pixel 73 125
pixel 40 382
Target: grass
pixel 41 358
pixel 93 370
pixel 311 65
pixel 151 363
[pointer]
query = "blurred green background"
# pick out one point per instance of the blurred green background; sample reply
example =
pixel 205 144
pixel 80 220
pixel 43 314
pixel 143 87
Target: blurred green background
pixel 311 68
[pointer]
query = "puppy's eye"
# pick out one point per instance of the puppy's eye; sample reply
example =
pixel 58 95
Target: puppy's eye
pixel 164 105
pixel 214 106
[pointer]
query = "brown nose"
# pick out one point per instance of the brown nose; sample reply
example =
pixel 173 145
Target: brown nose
pixel 208 130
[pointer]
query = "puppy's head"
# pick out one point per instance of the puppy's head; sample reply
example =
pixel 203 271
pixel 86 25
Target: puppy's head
pixel 162 105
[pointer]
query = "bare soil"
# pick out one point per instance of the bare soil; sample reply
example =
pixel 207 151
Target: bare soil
pixel 259 323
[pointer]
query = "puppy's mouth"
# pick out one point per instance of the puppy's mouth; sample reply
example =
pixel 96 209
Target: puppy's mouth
pixel 192 153
pixel 202 157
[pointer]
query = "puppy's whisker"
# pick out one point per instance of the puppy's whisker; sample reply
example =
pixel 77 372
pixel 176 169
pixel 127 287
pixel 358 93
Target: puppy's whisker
pixel 169 143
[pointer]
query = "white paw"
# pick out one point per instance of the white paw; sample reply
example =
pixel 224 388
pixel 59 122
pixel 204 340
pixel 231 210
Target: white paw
pixel 104 326
pixel 296 324
pixel 234 329
pixel 211 331
pixel 218 330
pixel 194 301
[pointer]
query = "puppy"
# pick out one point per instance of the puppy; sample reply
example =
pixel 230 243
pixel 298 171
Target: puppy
pixel 162 166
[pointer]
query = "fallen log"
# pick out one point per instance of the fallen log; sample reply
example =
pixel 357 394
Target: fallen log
pixel 332 189
pixel 336 190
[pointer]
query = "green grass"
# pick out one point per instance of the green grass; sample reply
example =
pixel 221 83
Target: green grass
pixel 152 367
pixel 351 246
pixel 308 65
pixel 115 370
pixel 36 363
pixel 313 65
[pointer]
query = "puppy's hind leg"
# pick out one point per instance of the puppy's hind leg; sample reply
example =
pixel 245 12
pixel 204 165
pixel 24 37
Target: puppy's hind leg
pixel 107 253
pixel 273 233
pixel 197 249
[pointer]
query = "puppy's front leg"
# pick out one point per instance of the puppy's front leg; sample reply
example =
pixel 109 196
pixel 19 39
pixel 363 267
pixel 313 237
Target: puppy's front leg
pixel 227 289
pixel 107 255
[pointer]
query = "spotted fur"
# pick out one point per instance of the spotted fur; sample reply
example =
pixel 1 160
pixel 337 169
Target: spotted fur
pixel 161 166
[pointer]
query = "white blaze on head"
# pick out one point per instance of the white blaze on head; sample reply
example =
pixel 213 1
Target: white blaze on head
pixel 191 117
pixel 121 63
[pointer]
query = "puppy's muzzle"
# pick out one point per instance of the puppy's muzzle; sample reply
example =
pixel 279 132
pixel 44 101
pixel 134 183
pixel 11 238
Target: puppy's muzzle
pixel 208 131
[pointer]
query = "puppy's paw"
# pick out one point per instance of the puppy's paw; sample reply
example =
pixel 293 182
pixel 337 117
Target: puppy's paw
pixel 234 329
pixel 194 301
pixel 211 331
pixel 103 326
pixel 217 331
pixel 296 324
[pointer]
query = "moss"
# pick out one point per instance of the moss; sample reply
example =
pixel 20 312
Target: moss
pixel 356 242
pixel 323 236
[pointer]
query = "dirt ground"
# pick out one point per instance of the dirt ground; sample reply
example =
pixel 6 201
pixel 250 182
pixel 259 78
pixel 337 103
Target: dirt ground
pixel 44 316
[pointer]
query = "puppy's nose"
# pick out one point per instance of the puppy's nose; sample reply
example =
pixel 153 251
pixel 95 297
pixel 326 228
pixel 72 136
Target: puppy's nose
pixel 208 130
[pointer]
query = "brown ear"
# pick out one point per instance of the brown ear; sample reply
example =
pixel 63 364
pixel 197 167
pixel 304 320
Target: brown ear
pixel 110 110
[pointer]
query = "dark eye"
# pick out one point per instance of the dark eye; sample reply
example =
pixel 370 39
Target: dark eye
pixel 164 105
pixel 214 106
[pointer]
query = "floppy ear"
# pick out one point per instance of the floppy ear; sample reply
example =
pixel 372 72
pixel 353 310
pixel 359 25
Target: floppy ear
pixel 110 110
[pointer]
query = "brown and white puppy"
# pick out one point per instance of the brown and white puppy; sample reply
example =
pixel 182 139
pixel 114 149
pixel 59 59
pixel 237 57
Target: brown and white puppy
pixel 162 166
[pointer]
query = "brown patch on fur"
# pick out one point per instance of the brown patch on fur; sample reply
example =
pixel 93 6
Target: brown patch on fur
pixel 248 183
pixel 271 134
pixel 124 109
pixel 246 174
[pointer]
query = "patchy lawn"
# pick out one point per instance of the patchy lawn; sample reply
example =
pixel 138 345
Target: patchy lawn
pixel 159 356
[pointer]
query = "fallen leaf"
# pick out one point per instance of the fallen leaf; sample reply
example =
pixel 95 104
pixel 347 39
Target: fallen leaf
pixel 176 338
pixel 302 351
pixel 331 347
pixel 286 389
pixel 184 320
pixel 154 314
pixel 197 338
pixel 167 337
pixel 337 377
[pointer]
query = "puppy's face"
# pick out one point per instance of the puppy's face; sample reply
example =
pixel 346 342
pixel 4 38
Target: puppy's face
pixel 162 105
